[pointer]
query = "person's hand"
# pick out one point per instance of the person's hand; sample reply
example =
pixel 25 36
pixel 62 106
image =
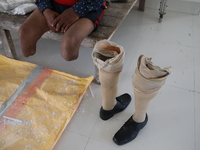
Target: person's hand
pixel 50 17
pixel 65 20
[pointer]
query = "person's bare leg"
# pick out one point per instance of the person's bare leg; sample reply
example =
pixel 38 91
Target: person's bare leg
pixel 31 31
pixel 74 36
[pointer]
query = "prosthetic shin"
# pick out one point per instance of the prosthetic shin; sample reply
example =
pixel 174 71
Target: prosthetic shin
pixel 146 81
pixel 108 58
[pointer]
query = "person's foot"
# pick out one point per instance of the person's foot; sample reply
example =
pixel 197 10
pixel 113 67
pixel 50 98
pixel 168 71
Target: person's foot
pixel 122 102
pixel 129 131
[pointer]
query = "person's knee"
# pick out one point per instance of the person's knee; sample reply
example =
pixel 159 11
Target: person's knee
pixel 69 56
pixel 70 49
pixel 26 49
pixel 23 31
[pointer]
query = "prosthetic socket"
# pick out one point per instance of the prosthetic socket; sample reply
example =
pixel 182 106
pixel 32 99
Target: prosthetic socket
pixel 147 81
pixel 108 58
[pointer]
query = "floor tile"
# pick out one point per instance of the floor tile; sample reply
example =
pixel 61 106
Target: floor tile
pixel 65 142
pixel 93 144
pixel 85 117
pixel 197 69
pixel 180 58
pixel 143 26
pixel 196 31
pixel 197 120
pixel 176 28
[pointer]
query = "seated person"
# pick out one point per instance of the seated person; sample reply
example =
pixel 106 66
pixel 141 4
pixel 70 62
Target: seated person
pixel 75 18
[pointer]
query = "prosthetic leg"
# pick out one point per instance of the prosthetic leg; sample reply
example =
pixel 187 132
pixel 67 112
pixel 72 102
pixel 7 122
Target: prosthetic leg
pixel 108 58
pixel 147 81
pixel 163 5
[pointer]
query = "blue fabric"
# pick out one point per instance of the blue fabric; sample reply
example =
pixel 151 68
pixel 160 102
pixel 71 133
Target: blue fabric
pixel 82 7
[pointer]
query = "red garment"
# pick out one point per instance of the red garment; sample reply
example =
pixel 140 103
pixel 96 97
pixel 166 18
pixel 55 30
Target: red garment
pixel 66 2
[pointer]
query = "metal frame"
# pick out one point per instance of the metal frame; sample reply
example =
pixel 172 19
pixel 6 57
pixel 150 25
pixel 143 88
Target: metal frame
pixel 163 5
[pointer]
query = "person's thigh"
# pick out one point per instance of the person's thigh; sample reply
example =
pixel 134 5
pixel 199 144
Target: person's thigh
pixel 80 29
pixel 36 24
pixel 74 36
pixel 31 31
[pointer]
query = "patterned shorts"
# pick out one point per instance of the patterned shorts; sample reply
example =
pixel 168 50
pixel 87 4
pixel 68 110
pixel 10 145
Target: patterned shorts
pixel 94 16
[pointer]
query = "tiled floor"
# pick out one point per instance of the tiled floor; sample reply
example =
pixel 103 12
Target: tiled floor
pixel 174 113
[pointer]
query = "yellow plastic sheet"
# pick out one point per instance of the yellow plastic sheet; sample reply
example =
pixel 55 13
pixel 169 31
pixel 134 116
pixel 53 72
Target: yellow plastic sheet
pixel 37 117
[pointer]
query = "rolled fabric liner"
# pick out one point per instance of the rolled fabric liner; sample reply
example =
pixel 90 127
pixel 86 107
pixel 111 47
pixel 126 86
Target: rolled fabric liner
pixel 108 56
pixel 147 77
pixel 147 81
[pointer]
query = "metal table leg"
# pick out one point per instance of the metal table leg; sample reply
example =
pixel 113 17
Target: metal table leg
pixel 162 9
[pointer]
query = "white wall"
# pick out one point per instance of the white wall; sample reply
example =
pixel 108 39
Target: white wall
pixel 186 6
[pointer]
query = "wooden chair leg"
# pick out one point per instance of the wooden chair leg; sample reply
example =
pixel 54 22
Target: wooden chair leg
pixel 8 43
pixel 141 5
pixel 96 77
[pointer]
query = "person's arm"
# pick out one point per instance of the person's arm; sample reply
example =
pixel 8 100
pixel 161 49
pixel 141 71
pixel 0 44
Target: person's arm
pixel 82 7
pixel 45 7
pixel 43 4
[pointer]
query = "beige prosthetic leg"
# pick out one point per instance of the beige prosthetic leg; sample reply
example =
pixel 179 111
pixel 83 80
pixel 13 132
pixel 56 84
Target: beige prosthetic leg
pixel 108 58
pixel 147 81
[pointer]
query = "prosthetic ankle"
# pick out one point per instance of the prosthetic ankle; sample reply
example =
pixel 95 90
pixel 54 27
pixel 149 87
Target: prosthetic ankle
pixel 108 58
pixel 147 81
